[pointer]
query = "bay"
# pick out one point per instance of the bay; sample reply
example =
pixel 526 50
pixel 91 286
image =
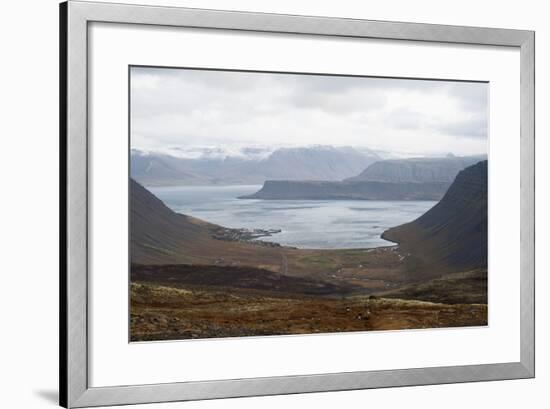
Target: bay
pixel 320 224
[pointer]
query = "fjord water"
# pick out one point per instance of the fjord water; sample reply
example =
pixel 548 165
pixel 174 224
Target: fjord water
pixel 320 224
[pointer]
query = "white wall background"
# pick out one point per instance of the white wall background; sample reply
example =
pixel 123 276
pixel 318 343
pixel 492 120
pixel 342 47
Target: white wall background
pixel 29 202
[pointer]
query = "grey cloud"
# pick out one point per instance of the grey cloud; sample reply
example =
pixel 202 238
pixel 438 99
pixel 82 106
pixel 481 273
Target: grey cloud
pixel 171 107
pixel 406 118
pixel 472 128
pixel 471 96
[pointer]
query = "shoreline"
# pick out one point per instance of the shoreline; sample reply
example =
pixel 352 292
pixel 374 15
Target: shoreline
pixel 252 236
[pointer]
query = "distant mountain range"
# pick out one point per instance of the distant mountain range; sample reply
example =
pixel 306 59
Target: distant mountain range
pixel 248 166
pixel 402 179
pixel 453 232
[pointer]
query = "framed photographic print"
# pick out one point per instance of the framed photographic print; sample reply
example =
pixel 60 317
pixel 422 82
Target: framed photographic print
pixel 258 204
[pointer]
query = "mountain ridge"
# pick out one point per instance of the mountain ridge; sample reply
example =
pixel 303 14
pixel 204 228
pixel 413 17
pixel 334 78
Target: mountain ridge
pixel 297 163
pixel 417 170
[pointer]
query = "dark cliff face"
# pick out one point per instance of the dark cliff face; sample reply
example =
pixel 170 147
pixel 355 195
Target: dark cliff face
pixel 326 190
pixel 454 232
pixel 416 170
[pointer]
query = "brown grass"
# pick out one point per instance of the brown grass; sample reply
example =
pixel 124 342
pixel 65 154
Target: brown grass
pixel 160 312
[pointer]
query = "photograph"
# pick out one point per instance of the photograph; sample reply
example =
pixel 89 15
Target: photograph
pixel 269 203
pixel 275 204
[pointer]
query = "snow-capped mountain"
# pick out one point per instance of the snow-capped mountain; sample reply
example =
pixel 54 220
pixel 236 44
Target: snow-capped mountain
pixel 247 165
pixel 216 152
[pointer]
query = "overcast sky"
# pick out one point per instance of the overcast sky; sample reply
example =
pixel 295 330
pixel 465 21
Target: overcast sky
pixel 179 108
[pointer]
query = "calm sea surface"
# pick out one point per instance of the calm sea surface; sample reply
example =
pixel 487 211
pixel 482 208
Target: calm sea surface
pixel 323 224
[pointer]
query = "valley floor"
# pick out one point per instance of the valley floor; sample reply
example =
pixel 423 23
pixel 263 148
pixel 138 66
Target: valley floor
pixel 314 291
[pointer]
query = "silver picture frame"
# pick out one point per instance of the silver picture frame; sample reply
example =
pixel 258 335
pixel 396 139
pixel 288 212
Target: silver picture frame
pixel 75 16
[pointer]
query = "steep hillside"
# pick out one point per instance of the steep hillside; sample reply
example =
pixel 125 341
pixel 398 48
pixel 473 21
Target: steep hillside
pixel 157 234
pixel 454 232
pixel 416 170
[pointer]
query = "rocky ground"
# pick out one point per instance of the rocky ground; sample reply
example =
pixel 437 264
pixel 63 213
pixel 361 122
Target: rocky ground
pixel 160 312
